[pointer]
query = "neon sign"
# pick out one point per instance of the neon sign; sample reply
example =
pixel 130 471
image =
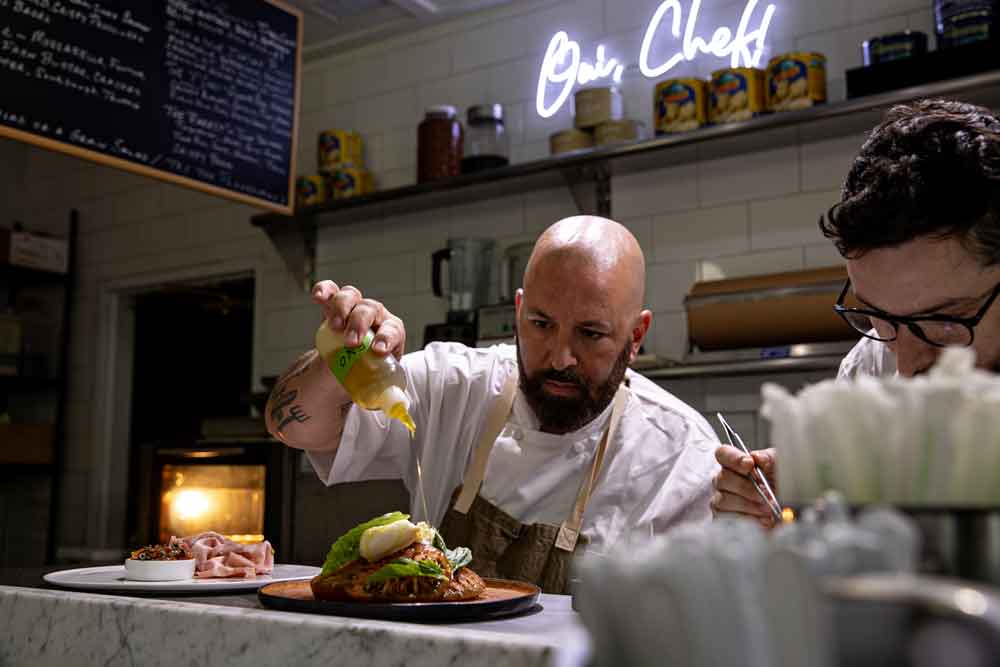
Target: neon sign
pixel 744 48
pixel 576 71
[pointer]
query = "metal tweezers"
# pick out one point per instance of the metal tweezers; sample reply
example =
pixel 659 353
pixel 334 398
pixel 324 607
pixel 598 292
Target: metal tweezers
pixel 757 477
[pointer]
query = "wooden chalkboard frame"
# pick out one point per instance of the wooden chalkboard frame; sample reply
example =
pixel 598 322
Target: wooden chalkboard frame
pixel 163 175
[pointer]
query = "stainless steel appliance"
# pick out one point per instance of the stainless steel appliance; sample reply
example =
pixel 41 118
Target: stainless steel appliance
pixel 470 262
pixel 495 324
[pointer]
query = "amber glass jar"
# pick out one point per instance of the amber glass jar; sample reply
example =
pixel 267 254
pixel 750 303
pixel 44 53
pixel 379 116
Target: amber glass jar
pixel 439 145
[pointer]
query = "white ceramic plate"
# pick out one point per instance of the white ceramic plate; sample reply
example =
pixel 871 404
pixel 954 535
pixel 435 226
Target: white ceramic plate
pixel 112 578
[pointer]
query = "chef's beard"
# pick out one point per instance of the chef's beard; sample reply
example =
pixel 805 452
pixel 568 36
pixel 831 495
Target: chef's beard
pixel 564 414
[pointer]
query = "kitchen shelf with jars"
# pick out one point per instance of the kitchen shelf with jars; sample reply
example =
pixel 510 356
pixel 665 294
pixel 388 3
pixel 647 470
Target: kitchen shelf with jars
pixel 737 111
pixel 36 293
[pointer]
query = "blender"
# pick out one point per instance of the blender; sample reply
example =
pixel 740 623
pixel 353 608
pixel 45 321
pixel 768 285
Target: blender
pixel 470 263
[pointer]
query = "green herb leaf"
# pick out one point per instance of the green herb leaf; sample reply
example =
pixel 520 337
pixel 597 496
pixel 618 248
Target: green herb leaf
pixel 438 541
pixel 348 546
pixel 458 557
pixel 406 567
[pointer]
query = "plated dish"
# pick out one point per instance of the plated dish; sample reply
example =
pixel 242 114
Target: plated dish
pixel 499 599
pixel 390 559
pixel 391 569
pixel 112 578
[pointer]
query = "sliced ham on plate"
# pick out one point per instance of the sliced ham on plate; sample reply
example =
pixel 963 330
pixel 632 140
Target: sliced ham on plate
pixel 215 556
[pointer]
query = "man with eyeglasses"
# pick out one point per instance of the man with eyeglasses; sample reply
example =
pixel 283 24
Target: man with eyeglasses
pixel 919 225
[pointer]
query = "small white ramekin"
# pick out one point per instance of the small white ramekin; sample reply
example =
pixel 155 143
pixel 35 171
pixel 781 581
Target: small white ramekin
pixel 159 570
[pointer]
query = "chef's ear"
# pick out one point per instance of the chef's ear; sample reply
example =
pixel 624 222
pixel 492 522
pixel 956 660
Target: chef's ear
pixel 641 326
pixel 518 299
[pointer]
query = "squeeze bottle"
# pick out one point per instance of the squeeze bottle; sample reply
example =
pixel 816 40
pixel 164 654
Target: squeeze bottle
pixel 374 382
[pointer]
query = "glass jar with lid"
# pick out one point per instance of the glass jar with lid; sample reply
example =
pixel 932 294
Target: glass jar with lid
pixel 487 145
pixel 439 144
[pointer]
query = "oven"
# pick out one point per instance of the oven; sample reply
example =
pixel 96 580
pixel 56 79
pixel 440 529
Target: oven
pixel 239 487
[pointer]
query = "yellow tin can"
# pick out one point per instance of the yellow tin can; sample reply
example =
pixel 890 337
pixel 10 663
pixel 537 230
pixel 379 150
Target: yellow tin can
pixel 570 140
pixel 311 190
pixel 680 105
pixel 737 93
pixel 796 81
pixel 339 148
pixel 349 182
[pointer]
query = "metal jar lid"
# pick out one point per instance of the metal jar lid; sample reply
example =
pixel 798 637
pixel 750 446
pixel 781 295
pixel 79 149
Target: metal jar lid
pixel 486 113
pixel 441 111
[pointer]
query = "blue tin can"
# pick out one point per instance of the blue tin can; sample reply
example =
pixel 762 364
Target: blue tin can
pixel 961 22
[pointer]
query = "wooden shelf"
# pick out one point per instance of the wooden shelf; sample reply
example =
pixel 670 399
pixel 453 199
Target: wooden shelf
pixel 588 172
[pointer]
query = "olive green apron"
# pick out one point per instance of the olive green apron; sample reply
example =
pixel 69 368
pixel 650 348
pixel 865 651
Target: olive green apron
pixel 503 547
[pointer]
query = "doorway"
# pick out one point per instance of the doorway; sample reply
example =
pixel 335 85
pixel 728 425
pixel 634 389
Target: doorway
pixel 193 358
pixel 159 363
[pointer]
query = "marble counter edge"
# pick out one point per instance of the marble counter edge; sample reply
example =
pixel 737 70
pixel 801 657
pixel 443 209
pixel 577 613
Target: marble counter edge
pixel 50 626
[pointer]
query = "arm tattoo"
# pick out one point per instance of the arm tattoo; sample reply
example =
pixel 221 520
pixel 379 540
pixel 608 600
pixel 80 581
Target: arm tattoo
pixel 284 409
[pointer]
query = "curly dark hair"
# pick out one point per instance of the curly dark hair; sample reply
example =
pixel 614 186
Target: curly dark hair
pixel 931 168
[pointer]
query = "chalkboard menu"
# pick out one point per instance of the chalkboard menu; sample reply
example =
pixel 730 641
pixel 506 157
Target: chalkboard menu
pixel 198 92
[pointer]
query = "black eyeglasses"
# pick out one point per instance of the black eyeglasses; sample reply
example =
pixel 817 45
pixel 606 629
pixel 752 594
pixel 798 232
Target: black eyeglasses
pixel 936 330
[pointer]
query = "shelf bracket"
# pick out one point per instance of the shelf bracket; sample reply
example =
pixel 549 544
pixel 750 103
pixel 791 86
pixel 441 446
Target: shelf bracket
pixel 590 186
pixel 296 243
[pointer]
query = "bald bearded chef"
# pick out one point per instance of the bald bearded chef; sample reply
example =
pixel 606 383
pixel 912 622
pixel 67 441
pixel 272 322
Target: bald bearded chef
pixel 533 452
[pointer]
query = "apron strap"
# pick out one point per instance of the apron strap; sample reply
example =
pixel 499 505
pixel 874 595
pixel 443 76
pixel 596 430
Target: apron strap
pixel 569 531
pixel 495 421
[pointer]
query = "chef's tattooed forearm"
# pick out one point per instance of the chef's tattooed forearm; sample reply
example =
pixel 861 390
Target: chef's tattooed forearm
pixel 282 403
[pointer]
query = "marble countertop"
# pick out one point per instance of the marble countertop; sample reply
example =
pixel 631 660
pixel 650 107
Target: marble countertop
pixel 47 626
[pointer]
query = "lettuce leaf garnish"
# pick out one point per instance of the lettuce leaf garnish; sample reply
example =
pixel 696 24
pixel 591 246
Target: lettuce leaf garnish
pixel 348 546
pixel 459 557
pixel 406 567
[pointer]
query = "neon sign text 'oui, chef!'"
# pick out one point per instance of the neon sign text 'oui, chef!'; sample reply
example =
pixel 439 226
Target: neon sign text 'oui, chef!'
pixel 744 48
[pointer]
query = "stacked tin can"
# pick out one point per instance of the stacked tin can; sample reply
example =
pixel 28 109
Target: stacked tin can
pixel 598 120
pixel 341 172
pixel 341 162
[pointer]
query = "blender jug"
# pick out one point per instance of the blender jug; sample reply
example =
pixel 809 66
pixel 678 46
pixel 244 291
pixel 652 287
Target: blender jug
pixel 469 266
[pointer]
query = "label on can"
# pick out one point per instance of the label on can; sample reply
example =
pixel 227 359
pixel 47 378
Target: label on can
pixel 737 94
pixel 344 359
pixel 349 182
pixel 796 81
pixel 338 147
pixel 681 105
pixel 310 190
pixel 963 21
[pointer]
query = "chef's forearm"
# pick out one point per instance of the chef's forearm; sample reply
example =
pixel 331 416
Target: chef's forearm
pixel 308 407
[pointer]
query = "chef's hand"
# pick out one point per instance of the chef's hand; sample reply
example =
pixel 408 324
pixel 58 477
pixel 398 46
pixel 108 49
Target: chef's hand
pixel 734 492
pixel 347 310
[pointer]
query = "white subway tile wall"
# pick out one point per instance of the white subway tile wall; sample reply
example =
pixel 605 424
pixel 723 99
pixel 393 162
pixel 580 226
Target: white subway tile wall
pixel 704 215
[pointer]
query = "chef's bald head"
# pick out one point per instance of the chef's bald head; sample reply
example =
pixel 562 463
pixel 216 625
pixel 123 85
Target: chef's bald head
pixel 603 248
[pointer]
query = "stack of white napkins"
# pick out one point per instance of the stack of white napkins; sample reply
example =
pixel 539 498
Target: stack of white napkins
pixel 931 441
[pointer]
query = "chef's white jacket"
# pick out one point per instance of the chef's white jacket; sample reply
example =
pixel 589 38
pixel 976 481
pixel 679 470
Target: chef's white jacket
pixel 657 471
pixel 868 358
